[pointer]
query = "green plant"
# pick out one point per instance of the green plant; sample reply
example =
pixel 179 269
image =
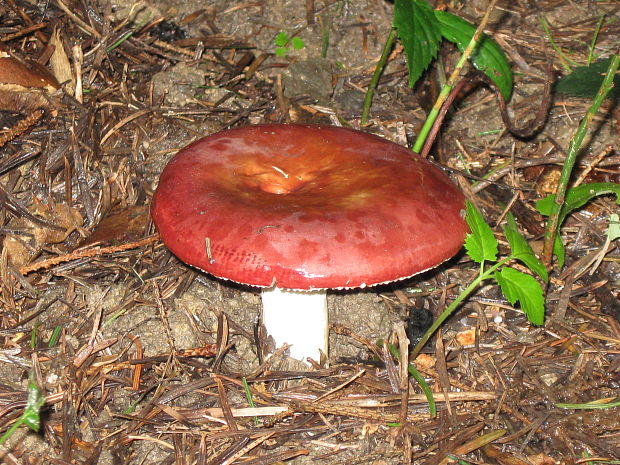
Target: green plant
pixel 284 43
pixel 249 398
pixel 558 206
pixel 593 405
pixel 421 30
pixel 574 199
pixel 30 417
pixel 563 59
pixel 481 246
pixel 128 34
pixel 415 374
pixel 585 81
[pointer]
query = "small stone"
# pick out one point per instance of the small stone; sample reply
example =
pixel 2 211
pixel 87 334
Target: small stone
pixel 179 84
pixel 312 78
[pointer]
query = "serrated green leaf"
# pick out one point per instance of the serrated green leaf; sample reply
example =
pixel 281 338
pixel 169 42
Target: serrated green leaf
pixel 480 244
pixel 521 287
pixel 585 81
pixel 281 39
pixel 297 43
pixel 521 249
pixel 417 30
pixel 488 56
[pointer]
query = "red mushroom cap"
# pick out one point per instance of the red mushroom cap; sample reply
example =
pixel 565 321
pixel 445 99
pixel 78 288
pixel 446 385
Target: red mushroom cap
pixel 307 207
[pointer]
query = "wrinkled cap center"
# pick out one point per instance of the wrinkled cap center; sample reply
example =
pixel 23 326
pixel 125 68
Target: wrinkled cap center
pixel 278 180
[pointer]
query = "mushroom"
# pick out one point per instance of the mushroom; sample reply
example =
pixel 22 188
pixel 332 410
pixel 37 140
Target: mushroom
pixel 24 88
pixel 298 210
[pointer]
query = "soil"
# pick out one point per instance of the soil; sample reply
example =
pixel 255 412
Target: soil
pixel 158 75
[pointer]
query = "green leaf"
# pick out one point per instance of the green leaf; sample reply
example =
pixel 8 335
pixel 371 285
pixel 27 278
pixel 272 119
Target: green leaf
pixel 517 286
pixel 521 249
pixel 613 231
pixel 297 43
pixel 33 405
pixel 585 81
pixel 488 56
pixel 417 30
pixel 559 250
pixel 415 374
pixel 32 420
pixel 281 39
pixel 480 244
pixel 575 198
pixel 281 51
pixel 578 197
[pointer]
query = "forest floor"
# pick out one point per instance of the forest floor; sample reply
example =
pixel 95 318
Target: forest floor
pixel 142 359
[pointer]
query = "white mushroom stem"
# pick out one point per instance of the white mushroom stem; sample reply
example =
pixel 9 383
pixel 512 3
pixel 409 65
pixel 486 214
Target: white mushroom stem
pixel 298 318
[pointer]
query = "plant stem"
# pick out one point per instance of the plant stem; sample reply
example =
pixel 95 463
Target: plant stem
pixel 415 374
pixel 571 157
pixel 446 88
pixel 482 276
pixel 592 405
pixel 324 37
pixel 127 35
pixel 11 430
pixel 563 59
pixel 377 74
pixel 597 30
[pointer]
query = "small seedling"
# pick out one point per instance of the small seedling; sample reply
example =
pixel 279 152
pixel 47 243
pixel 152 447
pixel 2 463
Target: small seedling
pixel 249 398
pixel 481 246
pixel 30 417
pixel 415 374
pixel 563 58
pixel 284 44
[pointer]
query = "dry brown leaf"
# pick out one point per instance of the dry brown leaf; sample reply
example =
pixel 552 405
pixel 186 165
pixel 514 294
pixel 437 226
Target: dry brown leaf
pixel 425 361
pixel 541 459
pixel 548 182
pixel 22 249
pixel 18 253
pixel 125 225
pixel 61 215
pixel 61 66
pixel 467 337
